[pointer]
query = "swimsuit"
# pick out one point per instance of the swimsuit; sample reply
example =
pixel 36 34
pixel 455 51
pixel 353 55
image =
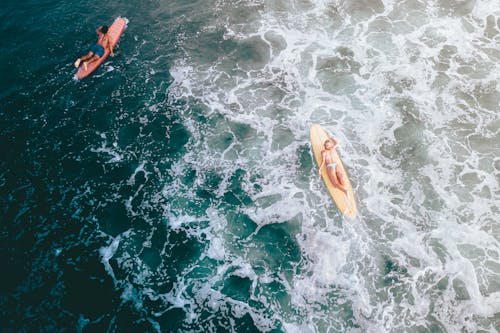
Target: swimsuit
pixel 331 165
pixel 97 49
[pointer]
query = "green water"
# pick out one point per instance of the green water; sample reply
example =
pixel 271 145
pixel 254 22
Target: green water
pixel 174 190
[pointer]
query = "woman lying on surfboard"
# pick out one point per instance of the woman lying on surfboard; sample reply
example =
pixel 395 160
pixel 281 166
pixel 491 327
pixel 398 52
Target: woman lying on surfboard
pixel 97 50
pixel 332 170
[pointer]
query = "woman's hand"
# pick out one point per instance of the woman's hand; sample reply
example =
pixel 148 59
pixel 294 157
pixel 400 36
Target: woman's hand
pixel 335 143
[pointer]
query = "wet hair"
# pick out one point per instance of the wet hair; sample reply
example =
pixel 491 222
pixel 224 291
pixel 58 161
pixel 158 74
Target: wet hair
pixel 104 29
pixel 327 141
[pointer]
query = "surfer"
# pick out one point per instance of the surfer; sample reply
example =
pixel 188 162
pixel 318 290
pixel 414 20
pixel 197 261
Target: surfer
pixel 332 169
pixel 97 50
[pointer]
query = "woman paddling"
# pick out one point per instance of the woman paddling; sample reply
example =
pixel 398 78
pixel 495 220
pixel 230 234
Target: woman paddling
pixel 97 50
pixel 332 170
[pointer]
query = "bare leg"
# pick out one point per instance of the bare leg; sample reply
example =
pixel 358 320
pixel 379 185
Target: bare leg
pixel 342 185
pixel 338 182
pixel 91 60
pixel 85 57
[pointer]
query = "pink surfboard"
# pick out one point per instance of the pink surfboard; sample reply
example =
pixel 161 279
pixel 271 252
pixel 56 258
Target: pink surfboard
pixel 114 32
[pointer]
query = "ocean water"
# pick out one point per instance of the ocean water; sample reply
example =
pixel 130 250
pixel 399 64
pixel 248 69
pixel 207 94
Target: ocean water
pixel 175 189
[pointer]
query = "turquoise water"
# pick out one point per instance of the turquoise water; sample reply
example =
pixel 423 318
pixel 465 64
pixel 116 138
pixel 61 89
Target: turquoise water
pixel 175 190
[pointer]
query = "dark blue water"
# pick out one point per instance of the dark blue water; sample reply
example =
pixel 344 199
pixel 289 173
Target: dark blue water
pixel 60 200
pixel 174 190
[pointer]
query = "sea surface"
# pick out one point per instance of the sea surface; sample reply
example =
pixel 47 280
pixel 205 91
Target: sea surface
pixel 175 189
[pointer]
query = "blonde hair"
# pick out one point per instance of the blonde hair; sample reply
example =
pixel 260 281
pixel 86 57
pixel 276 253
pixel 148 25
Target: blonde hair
pixel 326 141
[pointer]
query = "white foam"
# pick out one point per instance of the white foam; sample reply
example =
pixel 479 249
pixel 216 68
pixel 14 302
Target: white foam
pixel 106 149
pixel 107 252
pixel 399 98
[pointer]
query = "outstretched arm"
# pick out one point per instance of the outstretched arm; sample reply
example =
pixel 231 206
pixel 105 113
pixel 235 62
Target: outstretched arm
pixel 98 30
pixel 322 163
pixel 110 46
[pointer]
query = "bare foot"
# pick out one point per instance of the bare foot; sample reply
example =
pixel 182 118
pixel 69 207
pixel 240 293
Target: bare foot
pixel 77 62
pixel 85 65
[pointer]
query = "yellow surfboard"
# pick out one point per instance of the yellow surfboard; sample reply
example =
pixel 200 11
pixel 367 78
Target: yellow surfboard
pixel 346 206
